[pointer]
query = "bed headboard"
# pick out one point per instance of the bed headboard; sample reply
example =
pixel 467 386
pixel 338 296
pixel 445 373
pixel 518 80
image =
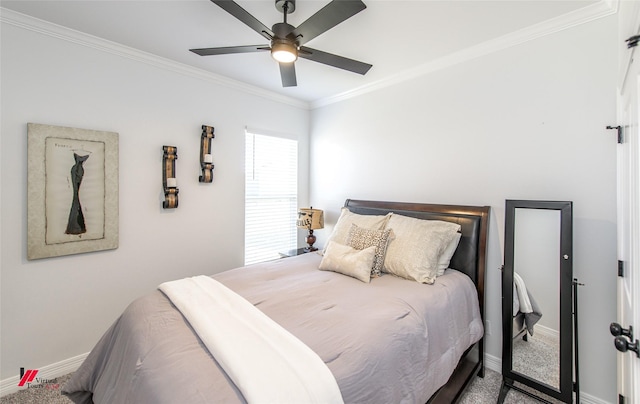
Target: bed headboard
pixel 470 256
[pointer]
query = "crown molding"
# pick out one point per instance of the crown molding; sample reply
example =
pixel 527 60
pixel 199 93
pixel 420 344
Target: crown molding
pixel 80 38
pixel 584 15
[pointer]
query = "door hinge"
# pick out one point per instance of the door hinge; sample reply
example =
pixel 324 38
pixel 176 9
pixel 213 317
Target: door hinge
pixel 620 399
pixel 632 41
pixel 621 269
pixel 619 129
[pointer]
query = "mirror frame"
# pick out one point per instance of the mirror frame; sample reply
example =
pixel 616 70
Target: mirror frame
pixel 564 392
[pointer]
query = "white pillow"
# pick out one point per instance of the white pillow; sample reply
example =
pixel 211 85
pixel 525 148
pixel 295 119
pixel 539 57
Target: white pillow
pixel 447 254
pixel 347 218
pixel 348 261
pixel 416 249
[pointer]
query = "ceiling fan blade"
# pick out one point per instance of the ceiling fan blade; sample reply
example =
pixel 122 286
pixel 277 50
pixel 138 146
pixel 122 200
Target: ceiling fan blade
pixel 288 74
pixel 334 60
pixel 326 18
pixel 243 15
pixel 230 49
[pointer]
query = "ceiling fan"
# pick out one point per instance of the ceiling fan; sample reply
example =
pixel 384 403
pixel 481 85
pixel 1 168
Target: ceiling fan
pixel 286 40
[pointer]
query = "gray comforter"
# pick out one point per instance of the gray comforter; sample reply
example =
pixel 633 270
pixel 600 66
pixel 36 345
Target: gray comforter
pixel 530 319
pixel 390 341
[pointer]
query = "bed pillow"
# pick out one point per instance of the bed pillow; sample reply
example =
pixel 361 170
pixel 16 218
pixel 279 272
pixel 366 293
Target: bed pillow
pixel 361 238
pixel 348 261
pixel 417 246
pixel 447 254
pixel 347 218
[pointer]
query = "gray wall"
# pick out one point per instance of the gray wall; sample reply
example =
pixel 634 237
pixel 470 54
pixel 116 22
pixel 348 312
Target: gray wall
pixel 526 122
pixel 55 309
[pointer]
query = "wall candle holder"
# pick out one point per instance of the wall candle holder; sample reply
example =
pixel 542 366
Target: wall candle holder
pixel 169 182
pixel 206 159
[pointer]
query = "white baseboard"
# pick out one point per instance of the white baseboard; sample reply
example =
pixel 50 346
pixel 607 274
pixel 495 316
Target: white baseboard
pixel 493 363
pixel 10 385
pixel 588 399
pixel 547 332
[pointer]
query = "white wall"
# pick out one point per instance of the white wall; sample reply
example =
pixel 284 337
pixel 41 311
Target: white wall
pixel 527 122
pixel 54 309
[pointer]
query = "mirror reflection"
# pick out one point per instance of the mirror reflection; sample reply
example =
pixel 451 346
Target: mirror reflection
pixel 536 295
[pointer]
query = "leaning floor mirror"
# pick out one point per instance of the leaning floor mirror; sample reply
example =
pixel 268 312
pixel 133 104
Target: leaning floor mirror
pixel 537 280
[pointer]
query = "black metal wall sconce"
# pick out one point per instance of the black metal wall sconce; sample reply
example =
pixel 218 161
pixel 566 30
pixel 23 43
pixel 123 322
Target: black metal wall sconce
pixel 169 182
pixel 206 159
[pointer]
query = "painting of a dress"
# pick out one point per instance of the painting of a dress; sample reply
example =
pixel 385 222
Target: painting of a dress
pixel 73 214
pixel 76 225
pixel 73 191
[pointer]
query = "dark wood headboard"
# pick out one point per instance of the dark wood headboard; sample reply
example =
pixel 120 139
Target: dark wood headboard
pixel 469 258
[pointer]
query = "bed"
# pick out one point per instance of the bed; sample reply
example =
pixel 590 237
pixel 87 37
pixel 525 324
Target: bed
pixel 152 353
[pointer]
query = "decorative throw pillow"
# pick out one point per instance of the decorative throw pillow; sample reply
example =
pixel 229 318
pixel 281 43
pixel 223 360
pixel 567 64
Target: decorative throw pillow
pixel 361 238
pixel 347 218
pixel 447 254
pixel 417 246
pixel 348 261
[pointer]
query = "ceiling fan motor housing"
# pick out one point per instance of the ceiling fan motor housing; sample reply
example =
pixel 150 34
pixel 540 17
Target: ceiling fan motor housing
pixel 290 6
pixel 282 29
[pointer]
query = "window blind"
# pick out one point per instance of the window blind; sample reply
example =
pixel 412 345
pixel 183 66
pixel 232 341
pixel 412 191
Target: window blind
pixel 271 196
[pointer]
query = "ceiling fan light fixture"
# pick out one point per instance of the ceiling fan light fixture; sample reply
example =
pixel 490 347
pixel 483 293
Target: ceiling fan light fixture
pixel 284 52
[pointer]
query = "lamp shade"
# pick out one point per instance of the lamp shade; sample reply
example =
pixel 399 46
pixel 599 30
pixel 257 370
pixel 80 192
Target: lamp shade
pixel 309 218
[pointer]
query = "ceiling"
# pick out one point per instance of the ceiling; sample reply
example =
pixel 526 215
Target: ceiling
pixel 395 36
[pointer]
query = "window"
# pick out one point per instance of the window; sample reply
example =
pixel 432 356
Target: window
pixel 271 196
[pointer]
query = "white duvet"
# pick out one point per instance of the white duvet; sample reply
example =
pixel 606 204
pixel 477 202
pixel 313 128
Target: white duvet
pixel 521 300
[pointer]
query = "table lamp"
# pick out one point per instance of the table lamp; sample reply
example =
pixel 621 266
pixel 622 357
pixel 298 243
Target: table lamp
pixel 311 219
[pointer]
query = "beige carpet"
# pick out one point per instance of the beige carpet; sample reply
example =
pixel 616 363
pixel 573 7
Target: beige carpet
pixel 538 358
pixel 481 391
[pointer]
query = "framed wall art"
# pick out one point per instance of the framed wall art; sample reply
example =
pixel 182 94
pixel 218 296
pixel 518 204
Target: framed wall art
pixel 72 191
